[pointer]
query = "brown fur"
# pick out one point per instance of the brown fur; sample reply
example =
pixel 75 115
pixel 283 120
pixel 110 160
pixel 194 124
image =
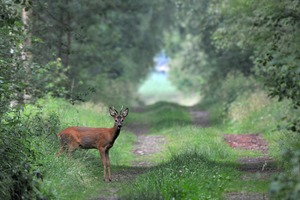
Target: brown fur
pixel 102 139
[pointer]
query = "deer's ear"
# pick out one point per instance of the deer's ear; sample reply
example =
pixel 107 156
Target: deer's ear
pixel 125 112
pixel 113 112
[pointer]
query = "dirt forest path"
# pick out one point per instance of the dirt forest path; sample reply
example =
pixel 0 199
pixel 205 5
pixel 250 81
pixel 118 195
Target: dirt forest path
pixel 253 168
pixel 147 145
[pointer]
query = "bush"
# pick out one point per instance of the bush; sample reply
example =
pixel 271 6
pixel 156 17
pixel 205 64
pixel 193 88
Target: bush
pixel 286 184
pixel 218 101
pixel 22 132
pixel 18 166
pixel 246 104
pixel 234 85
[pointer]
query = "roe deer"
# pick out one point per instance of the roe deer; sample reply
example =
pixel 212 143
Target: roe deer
pixel 102 139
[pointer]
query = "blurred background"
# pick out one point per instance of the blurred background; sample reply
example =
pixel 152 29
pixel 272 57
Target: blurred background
pixel 139 52
pixel 118 53
pixel 234 63
pixel 158 87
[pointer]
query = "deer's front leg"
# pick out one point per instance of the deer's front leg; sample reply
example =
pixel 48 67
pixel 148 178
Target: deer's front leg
pixel 108 164
pixel 103 157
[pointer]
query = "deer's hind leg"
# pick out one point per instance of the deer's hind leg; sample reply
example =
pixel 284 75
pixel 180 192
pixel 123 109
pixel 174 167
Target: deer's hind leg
pixel 61 150
pixel 67 143
pixel 63 144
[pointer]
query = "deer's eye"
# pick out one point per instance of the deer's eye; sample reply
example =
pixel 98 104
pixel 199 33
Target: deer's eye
pixel 116 120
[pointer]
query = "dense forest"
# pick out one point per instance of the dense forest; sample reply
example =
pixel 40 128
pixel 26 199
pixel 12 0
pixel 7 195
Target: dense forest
pixel 101 51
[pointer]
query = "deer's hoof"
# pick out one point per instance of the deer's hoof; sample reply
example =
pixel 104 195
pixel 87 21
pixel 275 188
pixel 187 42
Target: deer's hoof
pixel 107 180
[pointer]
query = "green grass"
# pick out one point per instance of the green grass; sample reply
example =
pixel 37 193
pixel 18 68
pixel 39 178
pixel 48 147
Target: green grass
pixel 198 165
pixel 186 176
pixel 162 115
pixel 195 163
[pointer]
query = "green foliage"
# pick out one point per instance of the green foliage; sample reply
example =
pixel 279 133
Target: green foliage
pixel 286 184
pixel 48 79
pixel 272 30
pixel 18 175
pixel 222 37
pixel 267 35
pixel 204 65
pixel 11 38
pixel 17 166
pixel 233 86
pixel 188 65
pixel 16 60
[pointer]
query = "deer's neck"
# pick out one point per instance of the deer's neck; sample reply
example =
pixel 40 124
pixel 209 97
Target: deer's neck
pixel 115 131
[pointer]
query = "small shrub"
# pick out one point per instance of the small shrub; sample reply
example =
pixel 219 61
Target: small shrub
pixel 234 85
pixel 286 184
pixel 247 104
pixel 218 101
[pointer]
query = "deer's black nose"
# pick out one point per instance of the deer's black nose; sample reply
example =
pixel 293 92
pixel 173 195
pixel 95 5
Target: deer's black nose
pixel 119 125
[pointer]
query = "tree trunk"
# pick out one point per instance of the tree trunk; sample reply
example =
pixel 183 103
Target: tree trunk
pixel 26 56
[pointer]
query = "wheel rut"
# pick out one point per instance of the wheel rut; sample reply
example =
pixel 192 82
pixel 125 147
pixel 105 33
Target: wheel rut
pixel 254 168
